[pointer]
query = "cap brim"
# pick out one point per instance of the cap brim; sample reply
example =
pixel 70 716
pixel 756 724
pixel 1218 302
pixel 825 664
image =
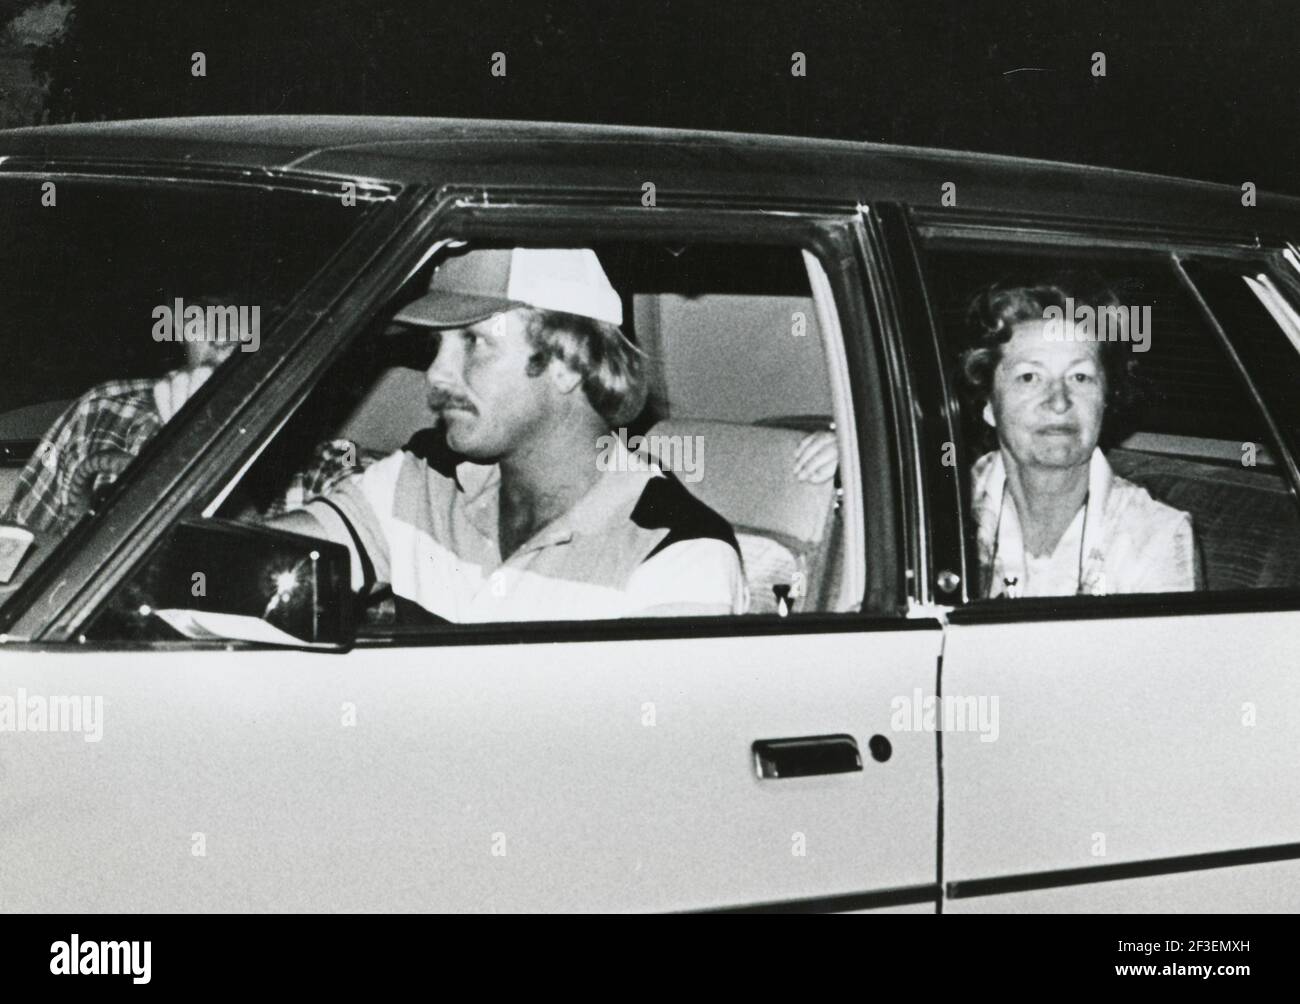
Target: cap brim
pixel 453 310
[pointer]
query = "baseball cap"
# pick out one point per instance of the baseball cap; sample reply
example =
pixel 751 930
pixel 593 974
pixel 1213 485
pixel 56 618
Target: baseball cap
pixel 477 284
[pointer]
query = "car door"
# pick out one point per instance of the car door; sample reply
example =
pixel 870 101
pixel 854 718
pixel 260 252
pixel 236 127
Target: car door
pixel 680 764
pixel 1144 749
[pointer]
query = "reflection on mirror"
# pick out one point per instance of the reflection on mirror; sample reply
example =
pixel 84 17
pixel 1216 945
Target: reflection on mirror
pixel 217 580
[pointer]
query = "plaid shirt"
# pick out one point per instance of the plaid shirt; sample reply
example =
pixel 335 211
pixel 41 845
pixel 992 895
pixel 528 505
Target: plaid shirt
pixel 120 416
pixel 333 461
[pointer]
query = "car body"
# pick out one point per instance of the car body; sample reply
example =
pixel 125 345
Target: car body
pixel 1143 753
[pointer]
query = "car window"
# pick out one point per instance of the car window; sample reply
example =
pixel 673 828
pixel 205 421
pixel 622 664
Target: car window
pixel 119 300
pixel 1261 320
pixel 1110 443
pixel 722 489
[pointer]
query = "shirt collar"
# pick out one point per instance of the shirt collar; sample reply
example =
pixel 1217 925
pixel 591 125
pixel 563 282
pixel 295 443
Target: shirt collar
pixel 1100 479
pixel 620 484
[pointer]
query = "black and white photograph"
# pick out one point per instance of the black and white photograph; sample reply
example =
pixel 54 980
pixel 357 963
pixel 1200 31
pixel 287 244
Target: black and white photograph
pixel 650 458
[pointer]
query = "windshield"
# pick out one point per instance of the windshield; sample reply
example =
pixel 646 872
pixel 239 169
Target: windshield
pixel 119 300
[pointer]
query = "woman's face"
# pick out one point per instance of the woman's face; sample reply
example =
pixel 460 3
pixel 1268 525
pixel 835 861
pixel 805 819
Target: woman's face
pixel 1048 398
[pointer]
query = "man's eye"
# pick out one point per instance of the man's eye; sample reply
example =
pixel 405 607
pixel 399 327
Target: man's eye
pixel 1084 378
pixel 1027 377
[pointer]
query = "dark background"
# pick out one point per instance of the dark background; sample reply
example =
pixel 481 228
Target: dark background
pixel 1198 89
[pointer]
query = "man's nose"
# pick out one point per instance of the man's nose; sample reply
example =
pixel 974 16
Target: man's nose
pixel 445 370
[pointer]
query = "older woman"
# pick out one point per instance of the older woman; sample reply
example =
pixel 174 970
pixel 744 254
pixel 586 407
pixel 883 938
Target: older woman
pixel 1053 519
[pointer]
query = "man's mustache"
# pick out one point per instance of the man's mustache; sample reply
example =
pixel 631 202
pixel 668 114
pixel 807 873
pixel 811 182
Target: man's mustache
pixel 441 399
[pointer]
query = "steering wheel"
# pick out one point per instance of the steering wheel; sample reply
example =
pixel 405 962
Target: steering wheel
pixel 82 496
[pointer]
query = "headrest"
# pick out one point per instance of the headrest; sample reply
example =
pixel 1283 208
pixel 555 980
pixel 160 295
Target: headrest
pixel 394 408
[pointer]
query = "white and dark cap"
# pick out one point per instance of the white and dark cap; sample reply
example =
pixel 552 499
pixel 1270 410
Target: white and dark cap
pixel 478 284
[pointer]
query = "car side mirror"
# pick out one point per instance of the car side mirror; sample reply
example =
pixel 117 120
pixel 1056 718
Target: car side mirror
pixel 215 579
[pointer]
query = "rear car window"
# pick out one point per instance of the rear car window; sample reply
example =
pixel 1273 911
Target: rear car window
pixel 1188 443
pixel 110 288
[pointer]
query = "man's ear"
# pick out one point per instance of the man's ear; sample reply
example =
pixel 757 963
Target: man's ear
pixel 988 415
pixel 564 379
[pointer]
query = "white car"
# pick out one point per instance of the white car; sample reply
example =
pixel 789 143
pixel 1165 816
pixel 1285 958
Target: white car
pixel 196 714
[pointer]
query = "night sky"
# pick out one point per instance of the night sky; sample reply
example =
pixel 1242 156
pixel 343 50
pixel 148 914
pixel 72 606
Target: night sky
pixel 1195 89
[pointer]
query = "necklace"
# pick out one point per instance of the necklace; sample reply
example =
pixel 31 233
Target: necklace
pixel 1011 583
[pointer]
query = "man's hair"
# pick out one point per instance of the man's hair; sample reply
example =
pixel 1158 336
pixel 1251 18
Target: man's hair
pixel 208 352
pixel 611 367
pixel 995 312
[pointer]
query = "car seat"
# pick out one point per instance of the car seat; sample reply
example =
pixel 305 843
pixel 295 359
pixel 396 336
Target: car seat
pixel 1245 521
pixel 783 525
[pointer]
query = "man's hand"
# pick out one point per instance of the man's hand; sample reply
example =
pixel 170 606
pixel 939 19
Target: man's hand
pixel 816 458
pixel 177 387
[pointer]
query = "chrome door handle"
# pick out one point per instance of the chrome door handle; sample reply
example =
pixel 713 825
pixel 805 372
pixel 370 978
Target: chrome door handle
pixel 806 756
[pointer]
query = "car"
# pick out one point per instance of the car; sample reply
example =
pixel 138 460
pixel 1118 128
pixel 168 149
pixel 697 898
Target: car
pixel 198 714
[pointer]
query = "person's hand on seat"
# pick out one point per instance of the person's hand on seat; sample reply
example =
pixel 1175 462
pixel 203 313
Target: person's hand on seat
pixel 816 458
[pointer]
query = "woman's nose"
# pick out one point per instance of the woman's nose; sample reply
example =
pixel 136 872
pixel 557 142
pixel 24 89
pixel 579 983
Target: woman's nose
pixel 1058 396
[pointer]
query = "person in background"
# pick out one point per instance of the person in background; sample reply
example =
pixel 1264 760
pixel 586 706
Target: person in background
pixel 101 432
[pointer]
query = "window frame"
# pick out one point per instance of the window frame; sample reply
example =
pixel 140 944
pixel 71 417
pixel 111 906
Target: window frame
pixel 980 233
pixel 572 220
pixel 833 235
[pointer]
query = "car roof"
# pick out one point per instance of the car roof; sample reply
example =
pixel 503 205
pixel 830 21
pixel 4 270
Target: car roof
pixel 540 155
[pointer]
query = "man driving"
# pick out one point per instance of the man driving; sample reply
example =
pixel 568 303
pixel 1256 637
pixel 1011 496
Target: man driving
pixel 505 512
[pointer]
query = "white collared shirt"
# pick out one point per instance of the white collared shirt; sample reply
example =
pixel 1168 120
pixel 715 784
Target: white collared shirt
pixel 1120 541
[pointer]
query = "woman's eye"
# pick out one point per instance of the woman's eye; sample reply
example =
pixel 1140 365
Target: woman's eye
pixel 1027 377
pixel 1084 378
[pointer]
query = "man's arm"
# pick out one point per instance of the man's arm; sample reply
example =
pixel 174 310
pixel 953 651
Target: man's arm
pixel 113 416
pixel 692 578
pixel 349 514
pixel 303 522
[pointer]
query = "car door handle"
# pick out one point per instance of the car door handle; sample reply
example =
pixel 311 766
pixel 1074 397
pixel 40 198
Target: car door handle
pixel 806 756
